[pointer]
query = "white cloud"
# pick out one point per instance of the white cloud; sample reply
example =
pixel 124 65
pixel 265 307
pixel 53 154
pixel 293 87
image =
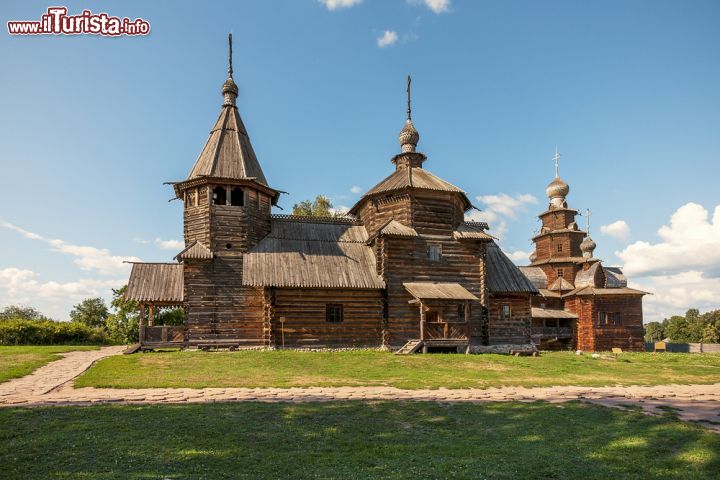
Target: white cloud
pixel 338 4
pixel 437 6
pixel 519 257
pixel 386 39
pixel 500 209
pixel 690 243
pixel 619 230
pixel 21 286
pixel 169 244
pixel 340 209
pixel 675 294
pixel 356 189
pixel 87 258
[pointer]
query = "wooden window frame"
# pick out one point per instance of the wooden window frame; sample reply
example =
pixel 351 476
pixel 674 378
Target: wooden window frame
pixel 334 313
pixel 502 311
pixel 432 247
pixel 560 273
pixel 559 248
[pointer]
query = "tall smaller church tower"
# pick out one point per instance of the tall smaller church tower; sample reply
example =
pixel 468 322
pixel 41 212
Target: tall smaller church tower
pixel 227 203
pixel 559 246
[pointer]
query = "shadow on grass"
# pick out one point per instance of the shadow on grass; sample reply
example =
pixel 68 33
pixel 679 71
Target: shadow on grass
pixel 351 440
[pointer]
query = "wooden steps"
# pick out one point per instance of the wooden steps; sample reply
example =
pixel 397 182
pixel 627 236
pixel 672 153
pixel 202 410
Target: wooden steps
pixel 411 346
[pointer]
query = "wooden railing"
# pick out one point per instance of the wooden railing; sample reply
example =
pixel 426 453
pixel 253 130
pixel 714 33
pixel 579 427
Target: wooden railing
pixel 164 334
pixel 446 331
pixel 552 331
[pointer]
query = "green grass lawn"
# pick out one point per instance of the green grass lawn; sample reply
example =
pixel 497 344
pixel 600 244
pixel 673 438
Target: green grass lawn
pixel 351 440
pixel 19 361
pixel 294 368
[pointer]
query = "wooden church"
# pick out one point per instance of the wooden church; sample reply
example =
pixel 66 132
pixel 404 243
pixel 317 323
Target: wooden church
pixel 403 270
pixel 581 303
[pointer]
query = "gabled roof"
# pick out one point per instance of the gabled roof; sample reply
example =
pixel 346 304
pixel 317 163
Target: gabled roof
pixel 396 229
pixel 412 177
pixel 614 278
pixel 472 230
pixel 503 276
pixel 195 251
pixel 312 254
pixel 605 291
pixel 228 152
pixel 438 291
pixel 561 284
pixel 536 275
pixel 590 277
pixel 156 283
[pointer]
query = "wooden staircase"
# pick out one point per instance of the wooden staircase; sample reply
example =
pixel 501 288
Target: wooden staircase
pixel 411 346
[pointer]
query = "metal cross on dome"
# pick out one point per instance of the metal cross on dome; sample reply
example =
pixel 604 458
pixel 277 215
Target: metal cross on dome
pixel 587 214
pixel 556 158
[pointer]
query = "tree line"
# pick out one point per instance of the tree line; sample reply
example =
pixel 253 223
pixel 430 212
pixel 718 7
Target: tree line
pixel 92 321
pixel 693 327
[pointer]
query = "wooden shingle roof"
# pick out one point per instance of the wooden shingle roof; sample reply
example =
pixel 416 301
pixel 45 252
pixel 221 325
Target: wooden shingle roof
pixel 438 291
pixel 472 231
pixel 503 276
pixel 312 254
pixel 536 275
pixel 397 229
pixel 412 177
pixel 156 283
pixel 551 313
pixel 195 251
pixel 228 152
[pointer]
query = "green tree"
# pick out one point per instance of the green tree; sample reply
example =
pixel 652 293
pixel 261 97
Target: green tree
pixel 320 207
pixel 91 312
pixel 123 323
pixel 676 329
pixel 21 312
pixel 654 332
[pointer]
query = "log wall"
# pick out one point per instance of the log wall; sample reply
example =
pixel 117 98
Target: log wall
pixel 513 330
pixel 591 337
pixel 303 310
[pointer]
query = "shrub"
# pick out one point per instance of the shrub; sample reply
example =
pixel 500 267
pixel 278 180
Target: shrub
pixel 47 332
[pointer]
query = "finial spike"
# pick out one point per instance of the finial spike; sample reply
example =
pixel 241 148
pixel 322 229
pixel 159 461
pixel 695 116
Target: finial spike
pixel 409 109
pixel 230 70
pixel 556 157
pixel 587 214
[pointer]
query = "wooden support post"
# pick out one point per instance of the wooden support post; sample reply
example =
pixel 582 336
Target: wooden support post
pixel 228 193
pixel 467 319
pixel 142 324
pixel 422 321
pixel 151 317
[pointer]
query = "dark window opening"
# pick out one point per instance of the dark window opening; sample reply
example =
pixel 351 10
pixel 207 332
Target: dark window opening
pixel 505 312
pixel 228 246
pixel 610 319
pixel 559 247
pixel 333 313
pixel 434 253
pixel 219 196
pixel 237 197
pixel 560 272
pixel 461 312
pixel 432 316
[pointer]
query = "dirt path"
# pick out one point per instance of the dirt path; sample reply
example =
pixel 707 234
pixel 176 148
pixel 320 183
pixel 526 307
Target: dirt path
pixel 53 385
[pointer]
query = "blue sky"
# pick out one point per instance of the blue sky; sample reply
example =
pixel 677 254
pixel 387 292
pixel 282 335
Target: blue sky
pixel 627 90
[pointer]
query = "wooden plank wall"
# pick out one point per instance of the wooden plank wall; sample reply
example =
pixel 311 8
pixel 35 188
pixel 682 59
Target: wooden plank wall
pixel 436 213
pixel 405 260
pixel 240 227
pixel 305 324
pixel 376 213
pixel 516 329
pixel 218 307
pixel 196 218
pixel 591 337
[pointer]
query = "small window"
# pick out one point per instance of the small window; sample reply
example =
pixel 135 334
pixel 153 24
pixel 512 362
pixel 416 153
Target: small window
pixel 505 312
pixel 560 273
pixel 189 199
pixel 432 316
pixel 461 312
pixel 219 196
pixel 434 253
pixel 559 247
pixel 237 197
pixel 333 313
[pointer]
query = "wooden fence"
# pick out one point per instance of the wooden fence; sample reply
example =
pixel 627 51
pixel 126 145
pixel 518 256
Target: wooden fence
pixel 687 347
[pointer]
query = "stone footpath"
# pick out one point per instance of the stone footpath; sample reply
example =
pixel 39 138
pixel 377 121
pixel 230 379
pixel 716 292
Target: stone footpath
pixel 52 384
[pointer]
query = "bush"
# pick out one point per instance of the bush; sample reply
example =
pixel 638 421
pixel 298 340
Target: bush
pixel 47 332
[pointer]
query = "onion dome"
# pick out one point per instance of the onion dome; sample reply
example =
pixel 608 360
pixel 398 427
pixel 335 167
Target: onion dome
pixel 409 137
pixel 587 247
pixel 557 188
